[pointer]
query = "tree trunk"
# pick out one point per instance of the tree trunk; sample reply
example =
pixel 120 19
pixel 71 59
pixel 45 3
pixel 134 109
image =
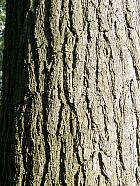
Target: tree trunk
pixel 71 93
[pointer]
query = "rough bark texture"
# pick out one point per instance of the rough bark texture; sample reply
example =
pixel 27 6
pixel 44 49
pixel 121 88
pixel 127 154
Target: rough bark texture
pixel 71 93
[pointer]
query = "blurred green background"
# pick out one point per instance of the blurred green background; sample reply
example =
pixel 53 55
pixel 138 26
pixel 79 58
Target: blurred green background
pixel 2 25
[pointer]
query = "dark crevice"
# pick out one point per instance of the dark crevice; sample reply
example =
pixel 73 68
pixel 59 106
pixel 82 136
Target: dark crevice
pixel 105 114
pixel 84 174
pixel 127 22
pixel 75 150
pixel 47 152
pixel 62 173
pixel 45 111
pixel 74 52
pixel 45 133
pixel 37 124
pixel 136 72
pixel 97 64
pixel 115 29
pixel 89 109
pixel 28 144
pixel 121 106
pixel 74 63
pixel 103 169
pixel 98 179
pixel 110 3
pixel 48 31
pixel 71 124
pixel 137 176
pixel 60 117
pixel 105 37
pixel 88 32
pixel 72 27
pixel 76 178
pixel 130 36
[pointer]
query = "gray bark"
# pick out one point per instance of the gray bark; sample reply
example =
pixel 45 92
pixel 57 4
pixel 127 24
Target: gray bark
pixel 71 94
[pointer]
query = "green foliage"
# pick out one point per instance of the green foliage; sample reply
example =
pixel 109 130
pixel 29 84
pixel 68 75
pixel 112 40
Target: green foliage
pixel 2 25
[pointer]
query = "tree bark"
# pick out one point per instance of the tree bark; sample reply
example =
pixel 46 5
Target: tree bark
pixel 71 93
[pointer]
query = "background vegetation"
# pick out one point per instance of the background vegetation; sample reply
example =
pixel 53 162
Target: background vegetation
pixel 2 23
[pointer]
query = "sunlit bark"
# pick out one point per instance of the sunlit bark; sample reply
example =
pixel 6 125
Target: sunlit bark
pixel 71 93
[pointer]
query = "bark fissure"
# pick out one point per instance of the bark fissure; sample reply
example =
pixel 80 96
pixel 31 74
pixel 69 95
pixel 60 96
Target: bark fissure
pixel 62 174
pixel 103 169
